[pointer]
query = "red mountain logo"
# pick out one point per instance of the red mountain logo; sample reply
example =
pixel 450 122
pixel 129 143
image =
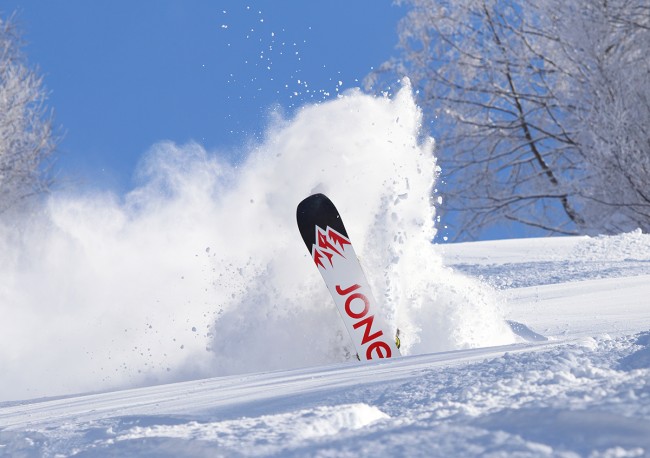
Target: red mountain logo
pixel 329 243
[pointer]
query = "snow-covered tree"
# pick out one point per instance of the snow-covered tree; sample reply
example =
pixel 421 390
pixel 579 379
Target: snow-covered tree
pixel 604 47
pixel 27 140
pixel 536 109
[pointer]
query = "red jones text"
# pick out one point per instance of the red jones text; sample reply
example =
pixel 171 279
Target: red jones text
pixel 353 309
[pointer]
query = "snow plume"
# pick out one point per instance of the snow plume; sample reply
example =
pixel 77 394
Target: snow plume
pixel 201 271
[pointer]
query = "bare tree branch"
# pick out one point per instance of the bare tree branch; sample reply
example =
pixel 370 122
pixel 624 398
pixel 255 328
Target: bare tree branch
pixel 541 110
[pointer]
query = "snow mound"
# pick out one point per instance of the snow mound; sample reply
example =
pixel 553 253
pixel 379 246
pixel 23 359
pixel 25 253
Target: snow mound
pixel 290 428
pixel 640 359
pixel 630 246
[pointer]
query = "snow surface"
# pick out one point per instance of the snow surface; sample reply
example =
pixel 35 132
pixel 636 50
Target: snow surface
pixel 585 391
pixel 190 314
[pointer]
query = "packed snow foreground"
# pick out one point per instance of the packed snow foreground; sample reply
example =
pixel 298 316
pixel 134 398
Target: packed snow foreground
pixel 533 347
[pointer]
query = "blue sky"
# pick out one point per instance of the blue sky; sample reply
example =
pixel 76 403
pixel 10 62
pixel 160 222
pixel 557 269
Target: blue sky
pixel 125 74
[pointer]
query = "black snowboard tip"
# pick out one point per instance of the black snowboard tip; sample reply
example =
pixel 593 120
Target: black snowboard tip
pixel 317 210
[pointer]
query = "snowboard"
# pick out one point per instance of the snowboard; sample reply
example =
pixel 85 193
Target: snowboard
pixel 331 250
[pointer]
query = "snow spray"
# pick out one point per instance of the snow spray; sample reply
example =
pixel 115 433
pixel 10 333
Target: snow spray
pixel 200 271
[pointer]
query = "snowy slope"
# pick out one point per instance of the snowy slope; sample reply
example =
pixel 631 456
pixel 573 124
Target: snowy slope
pixel 584 391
